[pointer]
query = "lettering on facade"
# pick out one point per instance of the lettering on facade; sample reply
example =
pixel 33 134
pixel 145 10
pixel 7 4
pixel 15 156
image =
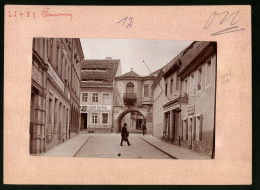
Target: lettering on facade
pixel 55 77
pixel 191 109
pixel 94 107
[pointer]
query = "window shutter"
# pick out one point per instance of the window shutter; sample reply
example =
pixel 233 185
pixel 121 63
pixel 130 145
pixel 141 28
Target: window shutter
pixel 201 124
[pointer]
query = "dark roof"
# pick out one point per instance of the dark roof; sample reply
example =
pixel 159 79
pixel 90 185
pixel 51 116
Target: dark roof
pixel 196 51
pixel 103 71
pixel 172 65
pixel 130 74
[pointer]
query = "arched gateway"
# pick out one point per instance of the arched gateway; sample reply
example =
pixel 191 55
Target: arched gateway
pixel 118 116
pixel 132 94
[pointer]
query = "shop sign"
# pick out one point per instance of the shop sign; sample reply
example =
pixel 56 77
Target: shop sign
pixel 85 108
pixel 191 109
pixel 55 77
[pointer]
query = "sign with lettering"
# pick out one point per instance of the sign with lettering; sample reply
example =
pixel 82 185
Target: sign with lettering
pixel 55 77
pixel 86 108
pixel 191 109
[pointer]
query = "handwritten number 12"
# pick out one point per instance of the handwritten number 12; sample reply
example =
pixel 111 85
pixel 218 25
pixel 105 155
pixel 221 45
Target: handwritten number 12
pixel 124 20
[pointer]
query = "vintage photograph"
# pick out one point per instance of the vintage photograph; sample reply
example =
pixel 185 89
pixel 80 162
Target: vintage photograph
pixel 123 98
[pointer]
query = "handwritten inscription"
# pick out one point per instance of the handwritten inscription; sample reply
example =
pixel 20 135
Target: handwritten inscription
pixel 21 14
pixel 229 20
pixel 46 13
pixel 130 20
pixel 225 78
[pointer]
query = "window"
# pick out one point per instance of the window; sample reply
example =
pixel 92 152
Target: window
pixel 130 88
pixel 199 122
pixel 94 97
pixel 166 89
pixel 171 87
pixel 104 118
pixel 94 118
pixel 208 75
pixel 106 98
pixel 146 90
pixel 192 83
pixel 177 80
pixel 84 97
pixel 199 79
pixel 50 111
pixel 57 57
pixel 185 87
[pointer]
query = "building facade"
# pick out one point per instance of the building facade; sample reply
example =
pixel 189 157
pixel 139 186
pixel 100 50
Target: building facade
pixel 97 93
pixel 38 98
pixel 133 100
pixel 198 82
pixel 184 99
pixel 57 54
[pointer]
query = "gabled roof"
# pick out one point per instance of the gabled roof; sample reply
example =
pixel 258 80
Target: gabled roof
pixel 98 72
pixel 130 74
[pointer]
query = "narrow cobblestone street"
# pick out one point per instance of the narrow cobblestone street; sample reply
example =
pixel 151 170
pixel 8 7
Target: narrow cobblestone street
pixel 108 146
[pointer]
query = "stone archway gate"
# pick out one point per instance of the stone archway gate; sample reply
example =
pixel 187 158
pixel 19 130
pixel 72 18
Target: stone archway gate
pixel 119 112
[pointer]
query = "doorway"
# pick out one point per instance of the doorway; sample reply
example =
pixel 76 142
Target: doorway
pixel 84 120
pixel 190 132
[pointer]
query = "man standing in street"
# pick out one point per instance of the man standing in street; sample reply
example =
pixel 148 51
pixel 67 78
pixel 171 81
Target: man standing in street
pixel 124 135
pixel 143 128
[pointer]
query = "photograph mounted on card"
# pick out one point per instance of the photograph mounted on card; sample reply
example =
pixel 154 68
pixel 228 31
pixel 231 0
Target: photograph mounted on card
pixel 95 89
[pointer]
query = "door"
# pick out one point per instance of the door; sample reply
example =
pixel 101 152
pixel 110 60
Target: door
pixel 85 120
pixel 173 126
pixel 190 132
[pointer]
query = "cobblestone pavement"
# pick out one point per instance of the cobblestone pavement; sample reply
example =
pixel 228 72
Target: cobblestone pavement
pixel 108 146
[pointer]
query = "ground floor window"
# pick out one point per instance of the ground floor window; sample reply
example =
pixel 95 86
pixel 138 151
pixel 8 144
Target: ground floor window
pixel 104 118
pixel 94 118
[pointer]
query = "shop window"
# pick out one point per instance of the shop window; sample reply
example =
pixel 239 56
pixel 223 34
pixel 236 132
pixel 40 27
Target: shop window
pixel 94 97
pixel 199 79
pixel 94 118
pixel 104 118
pixel 208 74
pixel 146 90
pixel 106 98
pixel 84 97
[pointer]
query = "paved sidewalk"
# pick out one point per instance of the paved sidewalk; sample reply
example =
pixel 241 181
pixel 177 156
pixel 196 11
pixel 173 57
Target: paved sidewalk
pixel 173 151
pixel 69 148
